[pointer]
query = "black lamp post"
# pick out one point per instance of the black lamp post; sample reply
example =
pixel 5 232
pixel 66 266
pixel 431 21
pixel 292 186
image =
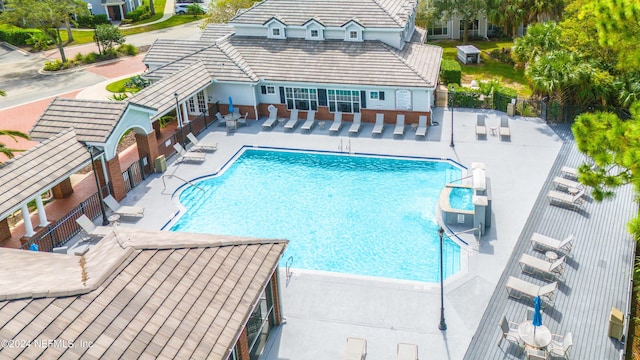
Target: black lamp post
pixel 452 102
pixel 443 325
pixel 105 221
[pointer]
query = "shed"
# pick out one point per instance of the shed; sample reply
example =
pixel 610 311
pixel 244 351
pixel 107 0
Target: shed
pixel 468 54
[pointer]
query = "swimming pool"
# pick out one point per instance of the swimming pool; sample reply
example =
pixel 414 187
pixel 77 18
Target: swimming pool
pixel 359 215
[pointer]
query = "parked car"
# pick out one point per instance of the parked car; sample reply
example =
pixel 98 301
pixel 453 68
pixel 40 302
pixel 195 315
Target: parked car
pixel 183 8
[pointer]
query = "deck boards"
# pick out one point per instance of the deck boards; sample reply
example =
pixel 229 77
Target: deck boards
pixel 596 277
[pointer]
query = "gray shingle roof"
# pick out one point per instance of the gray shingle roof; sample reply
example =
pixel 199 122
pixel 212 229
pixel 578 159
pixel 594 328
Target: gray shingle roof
pixel 152 293
pixel 37 169
pixel 93 120
pixel 186 83
pixel 164 51
pixel 332 13
pixel 214 32
pixel 340 62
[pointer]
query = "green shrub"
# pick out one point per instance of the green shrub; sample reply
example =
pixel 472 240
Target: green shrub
pixel 502 96
pixel 16 36
pixel 90 58
pixel 466 98
pixel 126 22
pixel 54 65
pixel 119 97
pixel 79 58
pixel 450 71
pixel 85 22
pixel 39 41
pixel 100 20
pixel 127 49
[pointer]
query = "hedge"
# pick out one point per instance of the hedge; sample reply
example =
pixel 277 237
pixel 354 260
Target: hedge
pixel 502 97
pixel 15 35
pixel 466 98
pixel 450 71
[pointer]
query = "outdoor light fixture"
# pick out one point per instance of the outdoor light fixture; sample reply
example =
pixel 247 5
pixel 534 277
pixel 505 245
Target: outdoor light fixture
pixel 105 221
pixel 443 325
pixel 452 102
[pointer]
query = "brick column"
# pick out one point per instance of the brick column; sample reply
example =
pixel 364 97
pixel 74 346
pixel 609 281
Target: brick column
pixel 275 292
pixel 5 232
pixel 100 172
pixel 242 346
pixel 63 189
pixel 115 175
pixel 147 145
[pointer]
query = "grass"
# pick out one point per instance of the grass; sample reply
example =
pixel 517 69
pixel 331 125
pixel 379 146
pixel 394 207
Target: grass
pixel 86 37
pixel 158 6
pixel 119 86
pixel 489 68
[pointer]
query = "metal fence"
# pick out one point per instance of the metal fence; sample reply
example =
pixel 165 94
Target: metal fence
pixel 136 173
pixel 61 231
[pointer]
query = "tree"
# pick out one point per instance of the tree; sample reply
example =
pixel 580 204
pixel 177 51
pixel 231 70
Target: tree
pixel 8 152
pixel 223 10
pixel 466 10
pixel 105 36
pixel 47 16
pixel 618 24
pixel 195 10
pixel 613 146
pixel 539 40
pixel 508 14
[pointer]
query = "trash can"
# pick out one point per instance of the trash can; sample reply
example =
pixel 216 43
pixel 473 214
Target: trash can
pixel 615 324
pixel 511 109
pixel 160 164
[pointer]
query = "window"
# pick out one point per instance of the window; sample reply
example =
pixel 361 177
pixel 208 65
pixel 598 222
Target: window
pixel 347 101
pixel 267 89
pixel 260 323
pixel 314 33
pixel 373 95
pixel 353 35
pixel 438 28
pixel 301 98
pixel 202 104
pixel 271 90
pixel 275 32
pixel 192 105
pixel 473 28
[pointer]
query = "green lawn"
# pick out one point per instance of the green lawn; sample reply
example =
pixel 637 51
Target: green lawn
pixel 489 68
pixel 118 86
pixel 158 5
pixel 85 37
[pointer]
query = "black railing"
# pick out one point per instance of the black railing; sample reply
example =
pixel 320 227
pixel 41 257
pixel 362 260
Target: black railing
pixel 136 173
pixel 61 231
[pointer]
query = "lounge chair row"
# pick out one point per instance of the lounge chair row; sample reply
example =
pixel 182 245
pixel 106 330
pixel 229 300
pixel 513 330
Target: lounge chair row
pixel 356 349
pixel 356 125
pixel 572 198
pixel 481 127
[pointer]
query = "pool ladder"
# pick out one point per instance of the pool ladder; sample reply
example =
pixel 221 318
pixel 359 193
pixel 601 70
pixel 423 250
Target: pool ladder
pixel 183 180
pixel 288 267
pixel 347 146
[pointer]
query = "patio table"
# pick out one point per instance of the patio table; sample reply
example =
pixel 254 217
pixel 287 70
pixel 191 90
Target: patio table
pixel 539 339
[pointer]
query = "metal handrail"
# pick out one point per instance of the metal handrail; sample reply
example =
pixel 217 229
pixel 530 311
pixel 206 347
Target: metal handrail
pixel 288 267
pixel 466 177
pixel 185 181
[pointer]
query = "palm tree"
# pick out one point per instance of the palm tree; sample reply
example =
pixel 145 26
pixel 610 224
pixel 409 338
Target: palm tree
pixel 8 152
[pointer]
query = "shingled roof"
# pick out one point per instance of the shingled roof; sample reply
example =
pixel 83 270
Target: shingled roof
pixel 214 32
pixel 38 169
pixel 93 120
pixel 164 51
pixel 161 95
pixel 332 13
pixel 154 294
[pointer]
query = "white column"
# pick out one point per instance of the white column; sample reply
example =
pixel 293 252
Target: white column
pixel 28 226
pixel 255 100
pixel 430 99
pixel 41 213
pixel 185 113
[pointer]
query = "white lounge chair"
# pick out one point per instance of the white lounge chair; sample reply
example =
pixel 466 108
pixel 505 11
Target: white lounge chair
pixel 311 120
pixel 188 155
pixel 566 183
pixel 378 128
pixel 571 172
pixel 542 242
pixel 357 123
pixel 481 126
pixel 273 117
pixel 517 288
pixel 337 122
pixel 126 211
pixel 201 145
pixel 421 130
pixel 221 120
pixel 356 349
pixel 407 352
pixel 505 131
pixel 293 120
pixel 399 129
pixel 91 229
pixel 529 264
pixel 561 198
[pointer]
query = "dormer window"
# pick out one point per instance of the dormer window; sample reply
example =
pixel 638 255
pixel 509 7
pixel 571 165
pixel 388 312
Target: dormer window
pixel 315 30
pixel 353 31
pixel 275 29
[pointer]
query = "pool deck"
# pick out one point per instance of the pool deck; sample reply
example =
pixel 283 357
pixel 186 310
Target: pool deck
pixel 323 309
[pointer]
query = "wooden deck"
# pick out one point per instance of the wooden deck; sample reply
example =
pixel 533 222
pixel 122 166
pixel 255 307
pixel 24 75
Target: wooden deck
pixel 596 278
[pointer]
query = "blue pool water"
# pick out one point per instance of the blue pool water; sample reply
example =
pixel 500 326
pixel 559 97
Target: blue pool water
pixel 461 198
pixel 348 214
